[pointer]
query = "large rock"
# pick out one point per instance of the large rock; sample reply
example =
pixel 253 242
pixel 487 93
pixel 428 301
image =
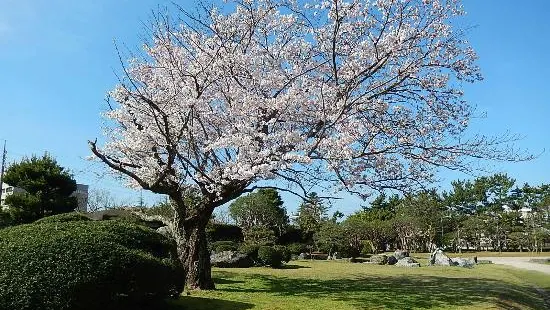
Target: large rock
pixel 464 262
pixel 379 259
pixel 407 262
pixel 392 260
pixel 438 258
pixel 399 254
pixel 231 259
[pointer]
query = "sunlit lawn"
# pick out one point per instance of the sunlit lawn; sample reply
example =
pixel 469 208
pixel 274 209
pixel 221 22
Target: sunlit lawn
pixel 482 254
pixel 500 254
pixel 342 285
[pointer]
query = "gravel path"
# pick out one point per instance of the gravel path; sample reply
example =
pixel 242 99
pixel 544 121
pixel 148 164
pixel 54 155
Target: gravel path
pixel 523 263
pixel 520 262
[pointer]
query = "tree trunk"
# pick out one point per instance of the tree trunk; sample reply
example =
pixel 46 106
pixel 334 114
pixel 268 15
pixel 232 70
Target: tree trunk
pixel 193 252
pixel 459 241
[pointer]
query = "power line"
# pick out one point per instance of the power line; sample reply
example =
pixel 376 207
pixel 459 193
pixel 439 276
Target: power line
pixel 3 167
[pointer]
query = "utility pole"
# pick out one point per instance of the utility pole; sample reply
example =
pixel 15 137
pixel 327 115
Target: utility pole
pixel 2 169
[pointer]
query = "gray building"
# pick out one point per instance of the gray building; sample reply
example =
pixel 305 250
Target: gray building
pixel 81 195
pixel 8 190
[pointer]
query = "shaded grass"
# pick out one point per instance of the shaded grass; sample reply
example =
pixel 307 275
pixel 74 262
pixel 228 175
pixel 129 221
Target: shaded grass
pixel 340 285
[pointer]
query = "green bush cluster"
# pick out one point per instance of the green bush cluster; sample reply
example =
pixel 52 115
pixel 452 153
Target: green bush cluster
pixel 269 256
pixel 292 235
pixel 251 250
pixel 285 253
pixel 60 264
pixel 264 255
pixel 297 248
pixel 224 232
pixel 260 235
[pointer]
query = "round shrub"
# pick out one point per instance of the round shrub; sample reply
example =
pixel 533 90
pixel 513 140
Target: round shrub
pixel 85 265
pixel 268 256
pixel 221 246
pixel 65 217
pixel 285 253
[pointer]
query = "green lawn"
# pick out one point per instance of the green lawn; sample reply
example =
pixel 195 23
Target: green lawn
pixel 341 285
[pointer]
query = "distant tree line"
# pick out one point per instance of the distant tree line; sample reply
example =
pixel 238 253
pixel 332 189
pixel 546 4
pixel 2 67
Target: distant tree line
pixel 487 213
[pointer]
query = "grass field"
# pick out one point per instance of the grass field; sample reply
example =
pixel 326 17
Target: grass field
pixel 342 285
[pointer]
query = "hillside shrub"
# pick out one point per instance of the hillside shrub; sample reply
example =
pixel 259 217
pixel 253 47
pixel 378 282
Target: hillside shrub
pixel 85 265
pixel 268 256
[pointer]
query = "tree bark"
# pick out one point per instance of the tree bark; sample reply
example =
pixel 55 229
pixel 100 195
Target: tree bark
pixel 193 251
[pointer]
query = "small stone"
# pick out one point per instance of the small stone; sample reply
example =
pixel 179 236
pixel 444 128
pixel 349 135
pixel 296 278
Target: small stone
pixel 231 259
pixel 407 262
pixel 463 262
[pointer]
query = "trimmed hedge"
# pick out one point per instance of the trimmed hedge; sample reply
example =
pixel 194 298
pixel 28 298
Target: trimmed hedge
pixel 85 265
pixel 65 217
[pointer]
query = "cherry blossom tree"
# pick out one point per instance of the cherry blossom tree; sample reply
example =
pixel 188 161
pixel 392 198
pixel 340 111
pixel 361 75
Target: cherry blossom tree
pixel 351 95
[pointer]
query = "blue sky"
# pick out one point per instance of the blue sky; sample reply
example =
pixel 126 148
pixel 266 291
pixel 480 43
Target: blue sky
pixel 57 61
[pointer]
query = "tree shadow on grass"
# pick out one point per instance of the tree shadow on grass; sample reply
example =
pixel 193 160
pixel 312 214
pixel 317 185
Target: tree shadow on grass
pixel 293 267
pixel 400 292
pixel 221 280
pixel 200 303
